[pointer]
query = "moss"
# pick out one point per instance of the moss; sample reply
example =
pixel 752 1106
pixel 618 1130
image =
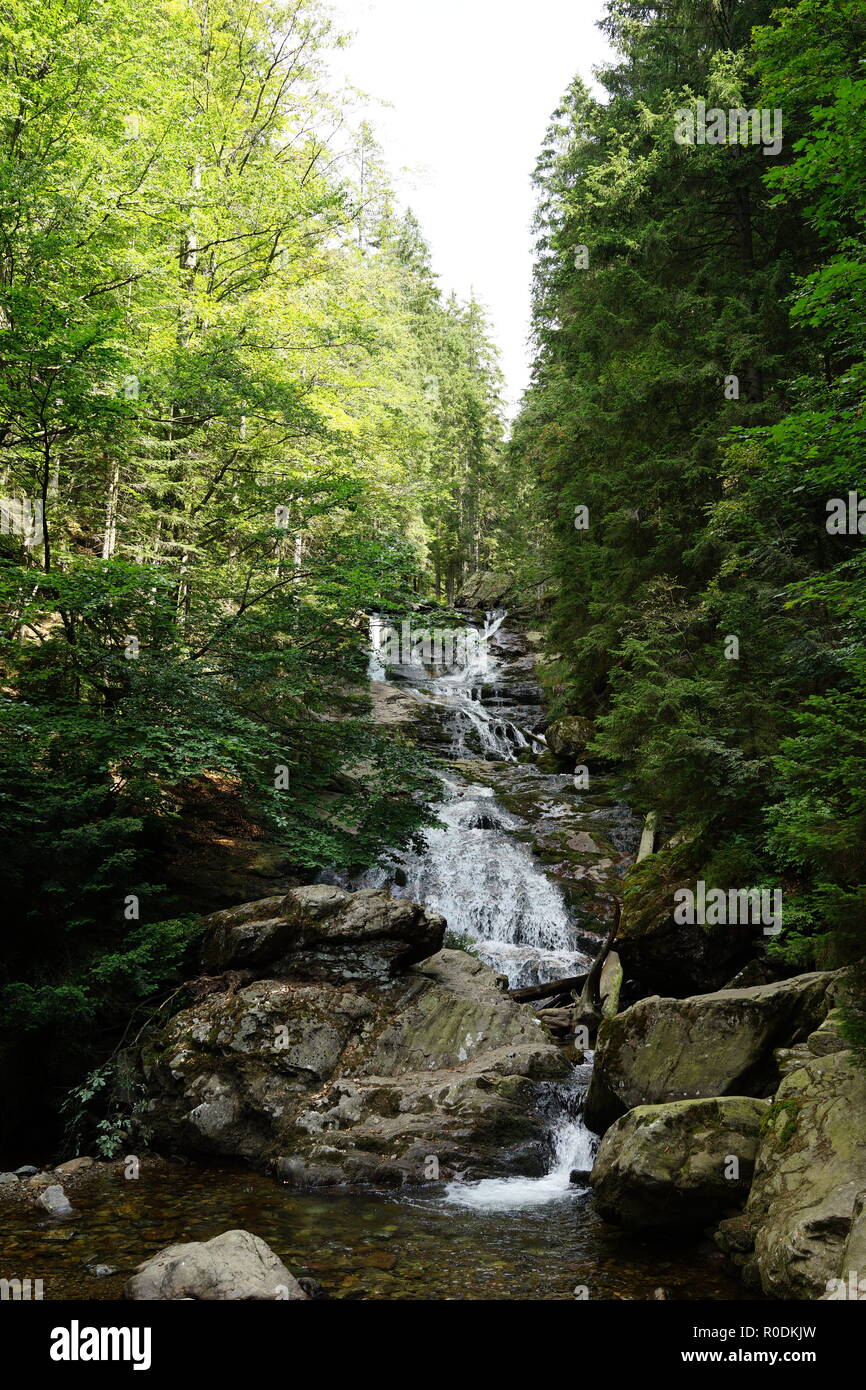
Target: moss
pixel 790 1109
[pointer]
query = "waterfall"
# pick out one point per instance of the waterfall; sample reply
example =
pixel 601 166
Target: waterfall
pixel 489 889
pixel 572 1149
pixel 484 880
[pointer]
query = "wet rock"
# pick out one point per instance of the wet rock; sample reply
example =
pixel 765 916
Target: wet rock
pixel 680 1165
pixel 405 1082
pixel 663 955
pixel 74 1165
pixel 27 1170
pixel 569 737
pixel 8 1180
pixel 55 1201
pixel 325 932
pixel 810 1174
pixel 235 1266
pixel 718 1044
pixel 736 1235
pixel 311 1287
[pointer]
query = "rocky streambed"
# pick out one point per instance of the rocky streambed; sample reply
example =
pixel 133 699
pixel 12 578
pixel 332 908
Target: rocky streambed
pixel 358 1082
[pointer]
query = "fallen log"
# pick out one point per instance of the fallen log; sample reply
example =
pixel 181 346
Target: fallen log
pixel 550 990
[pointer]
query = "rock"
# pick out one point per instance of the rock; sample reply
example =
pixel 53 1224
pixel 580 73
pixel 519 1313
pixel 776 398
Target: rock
pixel 55 1201
pixel 483 590
pixel 666 1167
pixel 759 971
pixel 8 1180
pixel 235 1266
pixel 810 1173
pixel 736 1235
pixel 718 1044
pixel 852 1271
pixel 74 1165
pixel 39 1181
pixel 569 737
pixel 788 1059
pixel 405 1081
pixel 101 1271
pixel 325 932
pixel 659 953
pixel 27 1170
pixel 828 1037
pixel 311 1287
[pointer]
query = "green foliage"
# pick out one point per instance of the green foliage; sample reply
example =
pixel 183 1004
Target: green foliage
pixel 707 514
pixel 243 419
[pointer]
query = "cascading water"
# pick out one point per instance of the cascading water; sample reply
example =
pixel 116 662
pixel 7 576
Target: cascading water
pixel 573 1149
pixel 489 889
pixel 487 884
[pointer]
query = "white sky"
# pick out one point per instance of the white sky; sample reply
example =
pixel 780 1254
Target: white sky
pixel 470 87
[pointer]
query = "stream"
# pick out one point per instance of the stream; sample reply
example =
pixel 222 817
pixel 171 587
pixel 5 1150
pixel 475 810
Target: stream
pixel 523 866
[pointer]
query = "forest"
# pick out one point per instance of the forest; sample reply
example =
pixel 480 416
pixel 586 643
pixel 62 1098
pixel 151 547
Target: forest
pixel 240 419
pixel 237 415
pixel 699 390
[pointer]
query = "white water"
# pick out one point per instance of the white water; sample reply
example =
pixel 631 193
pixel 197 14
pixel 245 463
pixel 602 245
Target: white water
pixel 484 882
pixel 489 888
pixel 573 1148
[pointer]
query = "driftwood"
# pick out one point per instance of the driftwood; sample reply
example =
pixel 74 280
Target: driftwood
pixel 589 1005
pixel 549 991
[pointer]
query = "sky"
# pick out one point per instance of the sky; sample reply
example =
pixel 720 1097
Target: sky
pixel 469 87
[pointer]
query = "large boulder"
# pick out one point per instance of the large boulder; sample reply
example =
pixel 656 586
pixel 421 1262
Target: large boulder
pixel 717 1044
pixel 235 1266
pixel 678 1166
pixel 811 1171
pixel 347 1066
pixel 663 955
pixel 569 737
pixel 325 932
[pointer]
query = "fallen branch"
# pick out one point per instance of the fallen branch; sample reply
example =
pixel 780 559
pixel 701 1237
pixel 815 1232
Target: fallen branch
pixel 590 999
pixel 548 991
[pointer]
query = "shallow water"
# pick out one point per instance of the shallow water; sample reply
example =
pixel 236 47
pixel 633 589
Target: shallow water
pixel 357 1244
